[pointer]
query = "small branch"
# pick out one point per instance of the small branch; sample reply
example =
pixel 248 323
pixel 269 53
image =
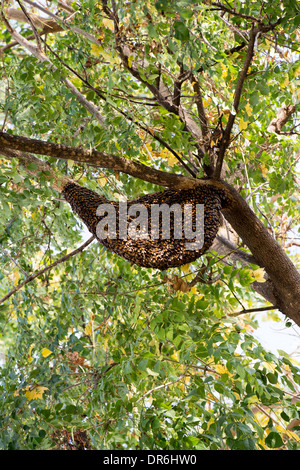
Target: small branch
pixel 220 6
pixel 159 90
pixel 236 100
pixel 89 36
pixel 47 268
pixel 193 172
pixel 241 255
pixel 23 41
pixel 162 386
pixel 251 310
pixel 255 31
pixel 31 22
pixel 14 261
pixel 183 76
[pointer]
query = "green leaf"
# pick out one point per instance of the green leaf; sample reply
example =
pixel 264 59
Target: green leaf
pixel 274 440
pixel 181 31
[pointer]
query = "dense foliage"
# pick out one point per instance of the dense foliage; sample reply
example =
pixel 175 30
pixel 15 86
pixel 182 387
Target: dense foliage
pixel 100 354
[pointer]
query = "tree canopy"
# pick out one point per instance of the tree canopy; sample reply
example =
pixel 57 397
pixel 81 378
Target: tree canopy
pixel 127 98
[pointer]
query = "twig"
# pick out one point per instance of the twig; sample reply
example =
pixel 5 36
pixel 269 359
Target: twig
pixel 14 261
pixel 225 142
pixel 92 109
pixel 220 6
pixel 36 34
pixel 234 295
pixel 161 386
pixel 47 268
pixel 250 310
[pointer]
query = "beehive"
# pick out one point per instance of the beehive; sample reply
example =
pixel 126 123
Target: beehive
pixel 160 253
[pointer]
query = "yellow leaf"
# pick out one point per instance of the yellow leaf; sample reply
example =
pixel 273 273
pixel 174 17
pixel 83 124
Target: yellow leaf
pixel 102 181
pixel 89 328
pixel 186 268
pixel 16 277
pixel 263 169
pixel 285 82
pixel 258 275
pixel 35 392
pixel 46 352
pixel 207 102
pixel 34 215
pixel 96 50
pixel 252 399
pixel 193 290
pixel 165 153
pixel 221 369
pixel 130 59
pixel 108 24
pixel 224 70
pixel 76 82
pixel 248 109
pixel 243 125
pixel 172 160
pixel 296 71
pixel 148 150
pixel 175 356
pixel 30 358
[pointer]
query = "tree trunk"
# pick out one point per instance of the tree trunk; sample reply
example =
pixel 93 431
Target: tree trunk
pixel 282 273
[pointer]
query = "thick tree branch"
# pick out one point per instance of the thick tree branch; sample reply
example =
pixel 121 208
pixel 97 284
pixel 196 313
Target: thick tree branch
pixel 283 275
pixel 34 166
pixel 281 119
pixel 96 158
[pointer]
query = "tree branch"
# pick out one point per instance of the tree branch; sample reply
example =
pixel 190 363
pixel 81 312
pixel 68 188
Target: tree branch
pixel 252 310
pixel 225 141
pixel 92 157
pixel 281 119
